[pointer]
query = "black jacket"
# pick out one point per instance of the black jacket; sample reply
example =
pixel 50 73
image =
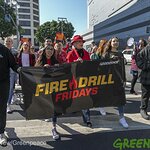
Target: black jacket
pixel 143 62
pixel 7 61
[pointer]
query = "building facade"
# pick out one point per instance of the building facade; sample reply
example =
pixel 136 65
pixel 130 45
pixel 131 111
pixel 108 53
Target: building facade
pixel 121 18
pixel 27 17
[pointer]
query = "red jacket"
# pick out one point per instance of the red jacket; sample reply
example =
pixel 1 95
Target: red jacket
pixel 31 59
pixel 72 56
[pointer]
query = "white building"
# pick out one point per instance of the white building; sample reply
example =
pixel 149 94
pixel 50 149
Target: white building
pixel 121 18
pixel 27 17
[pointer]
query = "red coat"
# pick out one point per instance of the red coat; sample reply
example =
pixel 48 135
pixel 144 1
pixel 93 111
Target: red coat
pixel 72 56
pixel 31 59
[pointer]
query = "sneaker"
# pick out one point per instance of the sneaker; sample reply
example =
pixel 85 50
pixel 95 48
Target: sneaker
pixel 123 122
pixel 144 114
pixel 47 120
pixel 89 124
pixel 102 111
pixel 3 140
pixel 9 109
pixel 55 134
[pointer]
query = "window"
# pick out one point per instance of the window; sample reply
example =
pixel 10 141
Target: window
pixel 36 18
pixel 35 6
pixel 25 23
pixel 24 4
pixel 21 10
pixel 27 32
pixel 36 24
pixel 36 12
pixel 24 16
pixel 36 1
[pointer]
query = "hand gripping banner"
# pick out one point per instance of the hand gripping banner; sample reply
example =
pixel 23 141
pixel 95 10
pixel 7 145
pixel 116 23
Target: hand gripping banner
pixel 71 87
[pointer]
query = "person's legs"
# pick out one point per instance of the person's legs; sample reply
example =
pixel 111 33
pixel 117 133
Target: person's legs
pixel 86 117
pixel 55 134
pixel 122 119
pixel 134 79
pixel 11 90
pixel 144 100
pixel 4 91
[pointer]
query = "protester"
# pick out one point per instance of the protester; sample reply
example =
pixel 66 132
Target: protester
pixel 134 69
pixel 92 45
pixel 143 62
pixel 60 54
pixel 98 55
pixel 111 52
pixel 47 42
pixel 8 42
pixel 94 49
pixel 32 50
pixel 46 59
pixel 68 46
pixel 25 57
pixel 7 61
pixel 80 54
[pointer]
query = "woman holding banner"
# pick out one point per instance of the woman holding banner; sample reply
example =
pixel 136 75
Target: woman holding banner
pixel 79 54
pixel 46 59
pixel 111 52
pixel 98 55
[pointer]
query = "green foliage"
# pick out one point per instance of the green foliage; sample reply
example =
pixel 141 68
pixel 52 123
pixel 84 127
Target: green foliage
pixel 49 29
pixel 7 28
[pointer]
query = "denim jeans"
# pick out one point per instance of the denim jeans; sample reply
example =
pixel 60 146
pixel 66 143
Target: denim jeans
pixel 13 77
pixel 121 111
pixel 86 115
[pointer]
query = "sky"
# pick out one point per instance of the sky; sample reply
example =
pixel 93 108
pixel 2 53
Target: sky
pixel 74 10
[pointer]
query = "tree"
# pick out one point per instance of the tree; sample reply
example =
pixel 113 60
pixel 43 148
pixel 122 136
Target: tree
pixel 7 27
pixel 49 29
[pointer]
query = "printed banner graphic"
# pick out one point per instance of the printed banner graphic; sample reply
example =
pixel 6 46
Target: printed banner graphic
pixel 71 87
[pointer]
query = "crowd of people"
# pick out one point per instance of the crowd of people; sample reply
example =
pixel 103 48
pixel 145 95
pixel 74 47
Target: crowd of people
pixel 52 54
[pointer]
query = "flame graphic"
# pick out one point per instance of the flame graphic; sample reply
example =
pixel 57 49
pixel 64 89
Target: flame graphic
pixel 73 83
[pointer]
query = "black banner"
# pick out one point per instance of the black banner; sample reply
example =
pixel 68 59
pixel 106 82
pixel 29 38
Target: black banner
pixel 71 87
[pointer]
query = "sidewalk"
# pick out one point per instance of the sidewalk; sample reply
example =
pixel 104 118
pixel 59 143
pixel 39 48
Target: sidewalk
pixel 74 125
pixel 36 134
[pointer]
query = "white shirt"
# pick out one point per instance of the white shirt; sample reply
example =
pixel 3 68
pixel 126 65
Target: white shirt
pixel 25 60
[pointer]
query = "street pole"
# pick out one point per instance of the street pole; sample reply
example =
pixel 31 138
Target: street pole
pixel 16 24
pixel 61 19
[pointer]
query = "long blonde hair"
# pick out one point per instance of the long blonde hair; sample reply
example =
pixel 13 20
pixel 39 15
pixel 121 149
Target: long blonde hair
pixel 101 47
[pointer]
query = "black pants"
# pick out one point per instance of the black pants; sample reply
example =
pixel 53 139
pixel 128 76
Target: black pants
pixel 134 79
pixel 145 96
pixel 4 93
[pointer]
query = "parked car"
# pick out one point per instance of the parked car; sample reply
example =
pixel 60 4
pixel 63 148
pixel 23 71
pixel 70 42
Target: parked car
pixel 127 53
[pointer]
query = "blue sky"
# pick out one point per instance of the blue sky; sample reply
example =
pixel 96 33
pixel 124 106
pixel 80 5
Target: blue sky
pixel 74 10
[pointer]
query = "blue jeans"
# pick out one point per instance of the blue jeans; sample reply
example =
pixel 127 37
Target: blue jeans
pixel 86 115
pixel 121 111
pixel 13 77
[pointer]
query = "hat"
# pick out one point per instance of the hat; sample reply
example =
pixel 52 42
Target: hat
pixel 77 38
